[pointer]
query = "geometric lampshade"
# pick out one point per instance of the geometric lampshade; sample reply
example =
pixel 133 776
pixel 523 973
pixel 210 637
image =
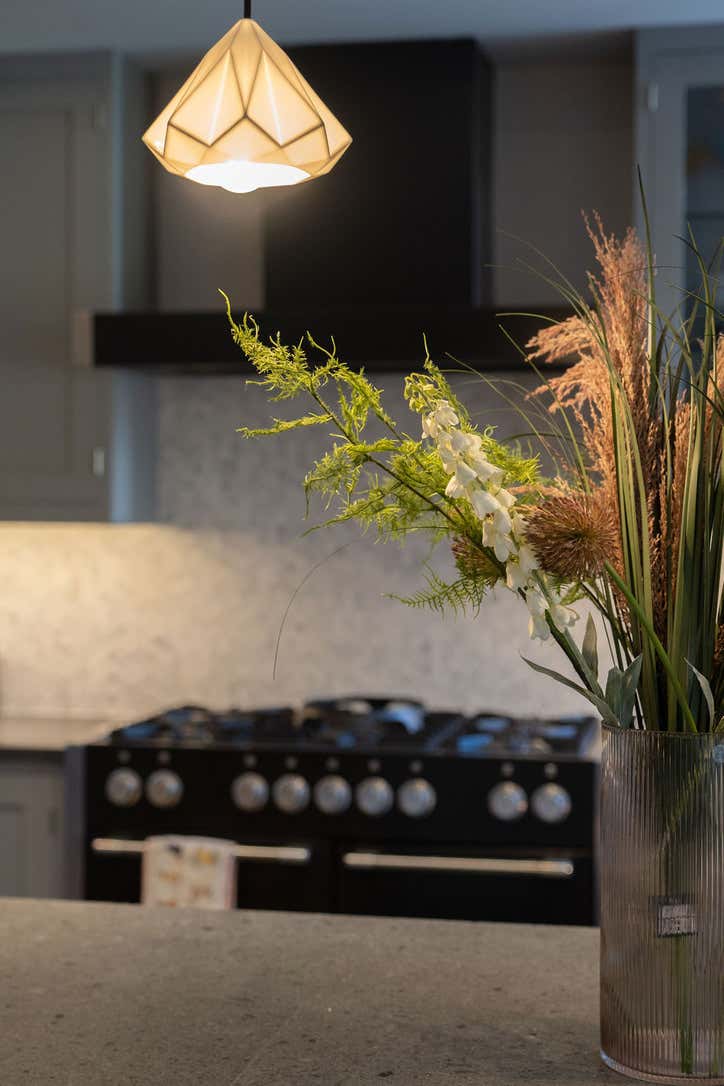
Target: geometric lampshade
pixel 246 118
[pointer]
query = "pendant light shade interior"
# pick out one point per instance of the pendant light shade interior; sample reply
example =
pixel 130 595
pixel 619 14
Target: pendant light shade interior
pixel 246 119
pixel 239 176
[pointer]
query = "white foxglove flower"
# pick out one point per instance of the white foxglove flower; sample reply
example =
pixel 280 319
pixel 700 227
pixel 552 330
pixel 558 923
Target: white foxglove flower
pixel 520 569
pixel 464 474
pixel 484 503
pixel 429 427
pixel 444 415
pixel 562 616
pixel 472 476
pixel 538 627
pixel 518 528
pixel 460 481
pixel 503 547
pixel 537 605
pixel 501 543
pixel 485 471
pixel 501 518
pixel 448 461
pixel 527 559
pixel 505 498
pixel 438 419
pixel 516 577
pixel 454 489
pixel 461 442
pixel 536 602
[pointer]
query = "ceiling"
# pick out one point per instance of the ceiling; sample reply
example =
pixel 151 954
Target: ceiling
pixel 162 27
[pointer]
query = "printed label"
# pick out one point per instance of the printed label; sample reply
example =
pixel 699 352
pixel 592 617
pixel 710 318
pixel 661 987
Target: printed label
pixel 674 916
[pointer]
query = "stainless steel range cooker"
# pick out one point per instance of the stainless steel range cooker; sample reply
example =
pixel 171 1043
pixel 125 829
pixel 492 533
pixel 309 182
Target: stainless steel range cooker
pixel 357 805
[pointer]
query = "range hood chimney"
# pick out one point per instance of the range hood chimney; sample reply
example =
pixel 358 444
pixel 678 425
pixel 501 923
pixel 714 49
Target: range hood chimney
pixel 404 220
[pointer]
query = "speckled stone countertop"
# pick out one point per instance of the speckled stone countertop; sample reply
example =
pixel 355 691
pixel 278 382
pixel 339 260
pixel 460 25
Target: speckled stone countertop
pixel 109 995
pixel 48 735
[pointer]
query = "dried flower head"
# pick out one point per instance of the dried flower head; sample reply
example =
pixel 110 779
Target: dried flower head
pixel 573 535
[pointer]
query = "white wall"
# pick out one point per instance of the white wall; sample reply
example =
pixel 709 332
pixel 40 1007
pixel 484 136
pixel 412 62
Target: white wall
pixel 124 620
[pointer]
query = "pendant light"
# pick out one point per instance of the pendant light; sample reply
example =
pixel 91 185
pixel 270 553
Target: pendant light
pixel 247 119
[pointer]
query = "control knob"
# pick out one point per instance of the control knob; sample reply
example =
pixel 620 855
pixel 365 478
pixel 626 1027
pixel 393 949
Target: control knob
pixel 551 803
pixel 164 788
pixel 332 794
pixel 250 792
pixel 374 796
pixel 291 793
pixel 416 798
pixel 123 788
pixel 507 801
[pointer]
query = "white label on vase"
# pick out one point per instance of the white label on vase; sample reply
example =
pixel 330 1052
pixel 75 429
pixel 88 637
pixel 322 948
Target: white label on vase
pixel 675 916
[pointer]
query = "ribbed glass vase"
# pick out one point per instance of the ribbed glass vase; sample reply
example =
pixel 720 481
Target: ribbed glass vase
pixel 662 905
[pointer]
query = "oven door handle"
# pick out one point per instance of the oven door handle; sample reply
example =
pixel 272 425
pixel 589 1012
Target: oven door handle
pixel 282 854
pixel 480 865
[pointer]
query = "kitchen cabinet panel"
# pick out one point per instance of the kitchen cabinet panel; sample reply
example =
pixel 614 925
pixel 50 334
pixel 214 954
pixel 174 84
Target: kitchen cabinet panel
pixel 72 221
pixel 13 844
pixel 53 423
pixel 31 842
pixel 34 225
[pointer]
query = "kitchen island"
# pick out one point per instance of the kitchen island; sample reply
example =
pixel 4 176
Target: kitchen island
pixel 120 995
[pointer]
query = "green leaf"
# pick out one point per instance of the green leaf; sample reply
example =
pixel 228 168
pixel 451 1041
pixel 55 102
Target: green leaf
pixel 594 699
pixel 706 691
pixel 590 647
pixel 282 426
pixel 614 689
pixel 631 677
pixel 621 688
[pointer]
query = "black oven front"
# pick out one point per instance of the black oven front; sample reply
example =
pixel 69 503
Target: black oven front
pixel 458 861
pixel 466 883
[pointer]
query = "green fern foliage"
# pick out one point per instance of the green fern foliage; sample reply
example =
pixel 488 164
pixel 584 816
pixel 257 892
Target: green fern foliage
pixel 391 485
pixel 463 595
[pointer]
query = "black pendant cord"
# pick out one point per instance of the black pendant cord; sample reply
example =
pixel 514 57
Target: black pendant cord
pixel 247 9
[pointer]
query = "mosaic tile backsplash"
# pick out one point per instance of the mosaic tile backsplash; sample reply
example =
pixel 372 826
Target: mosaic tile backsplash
pixel 121 621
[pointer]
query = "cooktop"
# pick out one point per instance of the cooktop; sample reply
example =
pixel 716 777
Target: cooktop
pixel 363 723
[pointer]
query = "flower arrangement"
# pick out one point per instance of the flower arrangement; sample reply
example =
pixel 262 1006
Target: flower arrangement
pixel 630 520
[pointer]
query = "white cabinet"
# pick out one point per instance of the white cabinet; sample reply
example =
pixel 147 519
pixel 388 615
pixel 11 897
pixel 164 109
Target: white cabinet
pixel 74 444
pixel 680 148
pixel 31 826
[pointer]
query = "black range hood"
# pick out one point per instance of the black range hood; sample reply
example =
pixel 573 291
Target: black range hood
pixel 391 245
pixel 380 340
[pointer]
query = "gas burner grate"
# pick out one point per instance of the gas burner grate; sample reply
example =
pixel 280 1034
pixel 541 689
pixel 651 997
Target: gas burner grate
pixel 502 736
pixel 192 725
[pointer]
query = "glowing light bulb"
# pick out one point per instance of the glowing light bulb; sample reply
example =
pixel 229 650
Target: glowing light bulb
pixel 246 176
